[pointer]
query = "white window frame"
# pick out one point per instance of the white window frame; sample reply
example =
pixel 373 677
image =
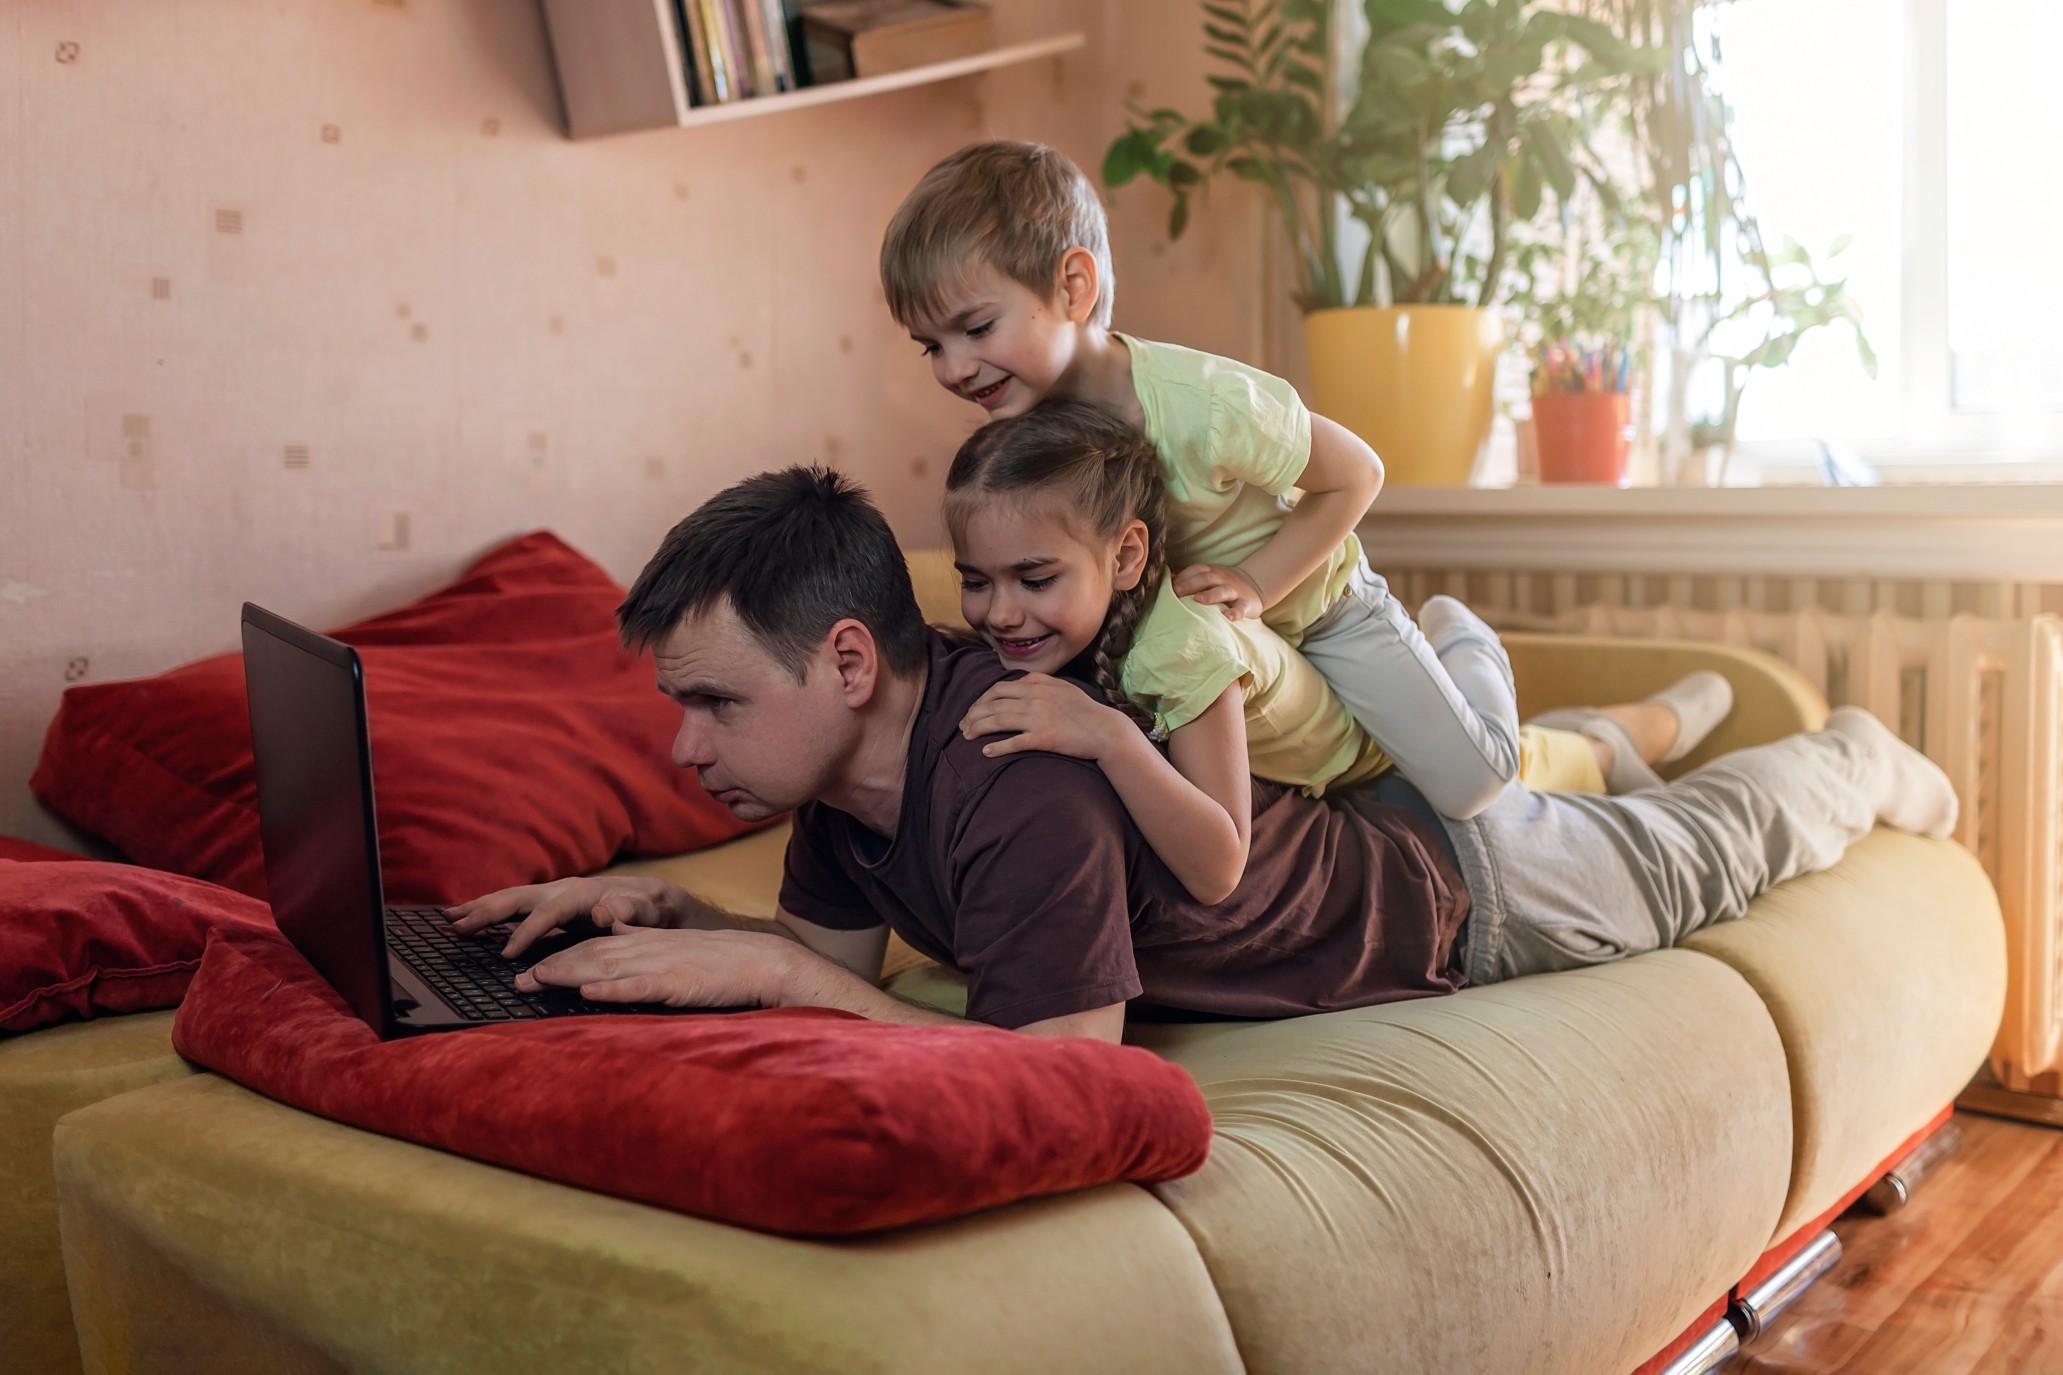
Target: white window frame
pixel 1934 440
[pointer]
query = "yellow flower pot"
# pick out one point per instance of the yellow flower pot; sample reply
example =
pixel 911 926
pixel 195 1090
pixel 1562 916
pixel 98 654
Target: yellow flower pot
pixel 1414 381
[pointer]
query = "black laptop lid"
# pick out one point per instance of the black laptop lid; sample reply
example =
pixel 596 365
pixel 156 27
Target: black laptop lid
pixel 315 805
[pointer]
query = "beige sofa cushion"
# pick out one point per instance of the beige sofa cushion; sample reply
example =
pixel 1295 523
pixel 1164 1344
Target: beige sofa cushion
pixel 43 1076
pixel 1552 1174
pixel 209 1229
pixel 1885 976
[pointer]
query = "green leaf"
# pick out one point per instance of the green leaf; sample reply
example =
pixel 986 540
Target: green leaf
pixel 1525 190
pixel 1468 178
pixel 1297 74
pixel 1225 15
pixel 1553 159
pixel 1229 83
pixel 1389 12
pixel 1178 218
pixel 1840 245
pixel 1867 354
pixel 1206 139
pixel 1183 175
pixel 1234 38
pixel 1129 155
pixel 1237 59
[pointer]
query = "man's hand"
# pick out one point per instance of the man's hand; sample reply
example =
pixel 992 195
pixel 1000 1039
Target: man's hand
pixel 679 968
pixel 605 901
pixel 1047 714
pixel 1226 586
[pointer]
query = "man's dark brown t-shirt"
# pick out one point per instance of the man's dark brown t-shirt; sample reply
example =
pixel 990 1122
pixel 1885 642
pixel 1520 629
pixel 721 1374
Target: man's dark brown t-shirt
pixel 1026 874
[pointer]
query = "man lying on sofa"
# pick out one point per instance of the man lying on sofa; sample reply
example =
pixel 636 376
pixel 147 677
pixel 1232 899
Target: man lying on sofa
pixel 781 618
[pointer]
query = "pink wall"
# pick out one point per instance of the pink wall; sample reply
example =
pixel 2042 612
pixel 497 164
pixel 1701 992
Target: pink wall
pixel 438 322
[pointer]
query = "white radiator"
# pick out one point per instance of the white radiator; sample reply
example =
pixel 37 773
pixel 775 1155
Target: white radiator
pixel 1972 674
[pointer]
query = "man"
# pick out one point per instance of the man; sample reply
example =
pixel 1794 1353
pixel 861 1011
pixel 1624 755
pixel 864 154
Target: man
pixel 781 620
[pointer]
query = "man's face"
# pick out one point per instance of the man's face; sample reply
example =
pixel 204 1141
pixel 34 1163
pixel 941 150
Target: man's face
pixel 760 742
pixel 998 344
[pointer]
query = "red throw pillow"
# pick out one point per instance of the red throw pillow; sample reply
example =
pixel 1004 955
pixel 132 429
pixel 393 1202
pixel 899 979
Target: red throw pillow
pixel 26 850
pixel 802 1121
pixel 82 938
pixel 514 741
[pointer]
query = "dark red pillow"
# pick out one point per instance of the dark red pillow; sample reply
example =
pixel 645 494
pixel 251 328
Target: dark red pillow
pixel 801 1121
pixel 514 741
pixel 77 939
pixel 27 850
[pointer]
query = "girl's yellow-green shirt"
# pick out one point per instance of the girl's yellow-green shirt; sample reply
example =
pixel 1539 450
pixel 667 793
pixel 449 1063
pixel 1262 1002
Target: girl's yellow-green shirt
pixel 1184 655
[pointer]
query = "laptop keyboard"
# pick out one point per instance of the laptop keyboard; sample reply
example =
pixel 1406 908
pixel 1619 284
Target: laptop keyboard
pixel 467 971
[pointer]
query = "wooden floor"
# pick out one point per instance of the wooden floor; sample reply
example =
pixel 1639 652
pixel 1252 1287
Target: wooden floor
pixel 1967 1277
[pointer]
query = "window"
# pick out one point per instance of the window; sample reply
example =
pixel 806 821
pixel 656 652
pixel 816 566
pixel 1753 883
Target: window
pixel 1922 129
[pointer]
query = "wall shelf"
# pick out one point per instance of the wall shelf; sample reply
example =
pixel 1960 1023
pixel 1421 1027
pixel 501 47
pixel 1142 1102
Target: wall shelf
pixel 876 85
pixel 620 70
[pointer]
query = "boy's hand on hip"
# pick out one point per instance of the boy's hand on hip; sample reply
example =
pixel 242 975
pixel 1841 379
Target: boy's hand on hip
pixel 1230 588
pixel 1044 714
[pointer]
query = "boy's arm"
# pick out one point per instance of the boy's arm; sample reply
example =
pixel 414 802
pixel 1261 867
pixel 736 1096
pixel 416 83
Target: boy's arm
pixel 1340 480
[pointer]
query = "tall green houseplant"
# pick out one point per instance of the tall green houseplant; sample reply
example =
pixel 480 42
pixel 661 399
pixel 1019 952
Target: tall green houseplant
pixel 1400 210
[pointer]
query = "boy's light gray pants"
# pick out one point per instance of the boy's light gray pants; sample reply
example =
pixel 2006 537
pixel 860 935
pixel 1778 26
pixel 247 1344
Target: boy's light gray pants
pixel 1563 880
pixel 1436 694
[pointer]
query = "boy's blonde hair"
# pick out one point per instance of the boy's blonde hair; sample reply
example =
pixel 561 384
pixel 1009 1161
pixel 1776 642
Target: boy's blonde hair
pixel 1016 207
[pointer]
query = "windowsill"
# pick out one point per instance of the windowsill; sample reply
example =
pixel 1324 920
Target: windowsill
pixel 1549 499
pixel 1970 531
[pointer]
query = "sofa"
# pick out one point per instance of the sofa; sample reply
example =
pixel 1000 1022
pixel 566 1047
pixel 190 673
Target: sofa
pixel 1570 1172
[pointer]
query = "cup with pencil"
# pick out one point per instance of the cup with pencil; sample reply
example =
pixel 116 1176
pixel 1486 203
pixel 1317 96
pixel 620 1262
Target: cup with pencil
pixel 1581 421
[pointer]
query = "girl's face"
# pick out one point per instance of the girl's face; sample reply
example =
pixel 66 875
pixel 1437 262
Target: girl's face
pixel 1034 587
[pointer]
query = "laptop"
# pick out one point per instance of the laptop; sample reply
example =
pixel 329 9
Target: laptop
pixel 402 969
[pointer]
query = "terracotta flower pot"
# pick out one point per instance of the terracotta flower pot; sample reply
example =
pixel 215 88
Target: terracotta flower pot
pixel 1583 436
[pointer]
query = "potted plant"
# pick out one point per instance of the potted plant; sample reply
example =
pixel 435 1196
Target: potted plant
pixel 1400 212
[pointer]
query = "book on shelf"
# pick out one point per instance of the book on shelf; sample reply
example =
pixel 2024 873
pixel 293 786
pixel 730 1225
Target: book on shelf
pixel 734 49
pixel 695 63
pixel 857 38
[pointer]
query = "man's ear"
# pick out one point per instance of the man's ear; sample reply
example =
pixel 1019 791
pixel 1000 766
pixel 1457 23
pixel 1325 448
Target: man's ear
pixel 856 659
pixel 1130 556
pixel 1081 284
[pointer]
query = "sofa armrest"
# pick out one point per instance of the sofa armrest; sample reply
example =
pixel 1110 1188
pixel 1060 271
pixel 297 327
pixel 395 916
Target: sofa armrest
pixel 1771 699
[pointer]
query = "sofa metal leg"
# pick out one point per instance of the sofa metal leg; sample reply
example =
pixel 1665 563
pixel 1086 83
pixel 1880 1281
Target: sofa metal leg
pixel 1719 1345
pixel 1895 1189
pixel 1752 1313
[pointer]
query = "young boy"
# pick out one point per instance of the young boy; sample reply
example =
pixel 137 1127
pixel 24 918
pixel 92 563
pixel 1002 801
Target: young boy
pixel 998 264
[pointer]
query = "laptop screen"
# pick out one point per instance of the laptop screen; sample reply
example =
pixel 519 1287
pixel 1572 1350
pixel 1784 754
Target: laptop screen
pixel 315 805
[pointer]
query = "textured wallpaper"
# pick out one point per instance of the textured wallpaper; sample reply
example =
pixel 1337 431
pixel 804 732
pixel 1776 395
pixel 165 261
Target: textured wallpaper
pixel 309 302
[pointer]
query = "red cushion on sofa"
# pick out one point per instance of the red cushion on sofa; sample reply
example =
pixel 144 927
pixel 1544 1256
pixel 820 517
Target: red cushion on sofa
pixel 28 850
pixel 801 1121
pixel 513 741
pixel 84 938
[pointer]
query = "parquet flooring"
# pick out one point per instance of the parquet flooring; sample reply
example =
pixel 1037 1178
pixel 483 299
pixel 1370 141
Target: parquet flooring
pixel 1967 1278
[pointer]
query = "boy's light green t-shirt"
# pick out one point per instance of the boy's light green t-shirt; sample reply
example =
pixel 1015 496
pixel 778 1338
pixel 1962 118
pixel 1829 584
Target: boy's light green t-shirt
pixel 1297 732
pixel 1233 441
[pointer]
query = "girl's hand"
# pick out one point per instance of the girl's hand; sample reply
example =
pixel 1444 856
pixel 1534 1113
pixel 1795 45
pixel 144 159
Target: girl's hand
pixel 1046 714
pixel 1222 585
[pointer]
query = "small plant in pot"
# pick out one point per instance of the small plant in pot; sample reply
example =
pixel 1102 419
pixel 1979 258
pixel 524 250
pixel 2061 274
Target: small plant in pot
pixel 1401 211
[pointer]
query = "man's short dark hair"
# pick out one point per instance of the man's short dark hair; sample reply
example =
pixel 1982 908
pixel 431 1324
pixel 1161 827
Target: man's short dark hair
pixel 794 552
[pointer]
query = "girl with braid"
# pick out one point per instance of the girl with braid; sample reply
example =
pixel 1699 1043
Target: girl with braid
pixel 1059 520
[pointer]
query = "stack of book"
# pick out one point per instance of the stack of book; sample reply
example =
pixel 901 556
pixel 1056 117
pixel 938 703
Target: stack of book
pixel 735 49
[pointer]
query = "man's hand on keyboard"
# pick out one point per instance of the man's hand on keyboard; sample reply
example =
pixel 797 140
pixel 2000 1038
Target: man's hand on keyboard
pixel 678 968
pixel 545 907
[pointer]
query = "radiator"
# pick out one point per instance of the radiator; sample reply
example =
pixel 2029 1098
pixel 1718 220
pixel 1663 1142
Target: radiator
pixel 1969 673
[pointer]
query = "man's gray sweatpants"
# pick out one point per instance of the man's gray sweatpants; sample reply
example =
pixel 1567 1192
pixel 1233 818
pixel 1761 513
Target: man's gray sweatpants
pixel 1563 880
